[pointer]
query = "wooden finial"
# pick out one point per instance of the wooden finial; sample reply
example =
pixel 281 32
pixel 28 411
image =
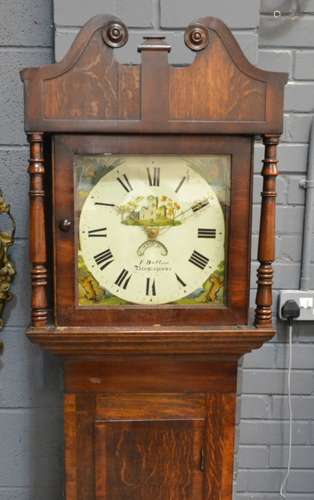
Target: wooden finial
pixel 115 34
pixel 196 37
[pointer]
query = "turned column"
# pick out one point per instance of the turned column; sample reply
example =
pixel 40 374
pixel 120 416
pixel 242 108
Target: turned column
pixel 37 233
pixel 266 246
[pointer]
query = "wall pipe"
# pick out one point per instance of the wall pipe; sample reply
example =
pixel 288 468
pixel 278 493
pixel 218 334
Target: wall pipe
pixel 308 185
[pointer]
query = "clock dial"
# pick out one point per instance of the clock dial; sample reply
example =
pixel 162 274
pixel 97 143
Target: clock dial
pixel 152 230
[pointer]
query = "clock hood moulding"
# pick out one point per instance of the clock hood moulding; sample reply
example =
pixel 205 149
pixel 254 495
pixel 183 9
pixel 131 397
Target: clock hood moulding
pixel 239 99
pixel 223 343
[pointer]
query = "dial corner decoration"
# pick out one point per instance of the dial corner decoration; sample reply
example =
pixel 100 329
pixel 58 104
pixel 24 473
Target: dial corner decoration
pixel 152 229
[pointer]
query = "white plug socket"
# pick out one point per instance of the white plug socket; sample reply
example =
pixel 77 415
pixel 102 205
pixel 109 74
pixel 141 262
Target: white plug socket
pixel 305 300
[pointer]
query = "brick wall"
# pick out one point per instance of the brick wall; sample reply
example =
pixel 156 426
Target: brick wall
pixel 285 44
pixel 171 16
pixel 30 392
pixel 30 381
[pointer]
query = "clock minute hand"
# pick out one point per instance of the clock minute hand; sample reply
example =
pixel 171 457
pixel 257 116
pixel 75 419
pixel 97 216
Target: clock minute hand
pixel 194 208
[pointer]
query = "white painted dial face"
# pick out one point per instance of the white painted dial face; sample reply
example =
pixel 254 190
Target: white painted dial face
pixel 152 230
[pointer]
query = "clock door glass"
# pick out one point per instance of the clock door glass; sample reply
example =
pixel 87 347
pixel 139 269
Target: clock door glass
pixel 151 229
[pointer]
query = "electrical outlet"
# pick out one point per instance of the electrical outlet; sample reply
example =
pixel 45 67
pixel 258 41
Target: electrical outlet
pixel 305 299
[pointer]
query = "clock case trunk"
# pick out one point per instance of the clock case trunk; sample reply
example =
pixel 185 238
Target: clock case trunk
pixel 150 394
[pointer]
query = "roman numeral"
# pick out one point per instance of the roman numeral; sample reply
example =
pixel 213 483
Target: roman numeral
pixel 98 233
pixel 105 204
pixel 180 280
pixel 198 260
pixel 200 205
pixel 180 184
pixel 150 287
pixel 103 259
pixel 154 180
pixel 123 279
pixel 206 233
pixel 125 183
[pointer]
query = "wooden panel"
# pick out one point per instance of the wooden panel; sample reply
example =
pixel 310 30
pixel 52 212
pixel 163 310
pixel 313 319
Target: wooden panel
pixel 85 447
pixel 138 445
pixel 149 406
pixel 204 92
pixel 132 445
pixel 145 459
pixel 219 446
pixel 97 87
pixel 71 450
pixel 79 446
pixel 144 374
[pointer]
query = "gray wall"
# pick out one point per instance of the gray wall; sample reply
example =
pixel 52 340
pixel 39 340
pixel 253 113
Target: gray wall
pixel 30 381
pixel 31 466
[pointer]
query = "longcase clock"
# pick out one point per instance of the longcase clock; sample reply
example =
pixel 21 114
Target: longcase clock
pixel 140 236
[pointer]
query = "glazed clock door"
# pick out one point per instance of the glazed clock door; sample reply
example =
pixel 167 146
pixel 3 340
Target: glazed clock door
pixel 155 230
pixel 158 460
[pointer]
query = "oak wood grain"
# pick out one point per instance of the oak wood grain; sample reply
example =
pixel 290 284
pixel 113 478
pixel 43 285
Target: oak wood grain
pixel 221 92
pixel 175 446
pixel 142 459
pixel 114 89
pixel 218 99
pixel 85 415
pixel 146 374
pixel 149 406
pixel 71 446
pixel 219 446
